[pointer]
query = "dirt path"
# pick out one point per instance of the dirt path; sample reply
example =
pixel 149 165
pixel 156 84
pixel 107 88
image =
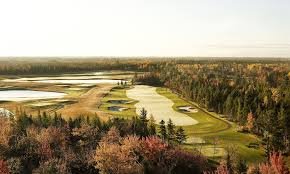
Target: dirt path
pixel 87 103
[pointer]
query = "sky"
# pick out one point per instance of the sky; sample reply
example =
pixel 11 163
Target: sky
pixel 207 28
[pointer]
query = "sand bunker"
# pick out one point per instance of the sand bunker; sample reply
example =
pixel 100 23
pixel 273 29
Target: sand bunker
pixel 195 140
pixel 213 151
pixel 187 109
pixel 5 113
pixel 157 105
pixel 117 108
pixel 119 101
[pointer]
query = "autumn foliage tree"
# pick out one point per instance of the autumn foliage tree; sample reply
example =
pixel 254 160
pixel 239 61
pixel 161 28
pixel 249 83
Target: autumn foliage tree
pixel 5 132
pixel 117 155
pixel 250 121
pixel 275 165
pixel 160 157
pixel 3 167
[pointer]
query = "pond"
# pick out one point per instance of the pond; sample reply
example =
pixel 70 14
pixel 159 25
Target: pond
pixel 65 81
pixel 119 101
pixel 24 95
pixel 157 105
pixel 94 78
pixel 117 108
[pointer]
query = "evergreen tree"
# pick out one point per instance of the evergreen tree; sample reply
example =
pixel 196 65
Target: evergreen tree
pixel 39 118
pixel 180 135
pixel 241 166
pixel 162 130
pixel 71 123
pixel 45 119
pixel 55 121
pixel 143 115
pixel 266 141
pixel 143 123
pixel 152 126
pixel 170 131
pixel 96 122
pixel 88 121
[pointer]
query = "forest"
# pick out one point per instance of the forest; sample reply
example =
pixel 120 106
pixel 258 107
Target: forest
pixel 254 94
pixel 66 65
pixel 49 144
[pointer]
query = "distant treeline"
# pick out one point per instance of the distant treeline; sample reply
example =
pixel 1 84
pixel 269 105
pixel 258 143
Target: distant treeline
pixel 55 66
pixel 49 65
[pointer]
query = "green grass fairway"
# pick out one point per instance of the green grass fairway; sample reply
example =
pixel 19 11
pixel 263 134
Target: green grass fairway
pixel 118 93
pixel 206 125
pixel 212 128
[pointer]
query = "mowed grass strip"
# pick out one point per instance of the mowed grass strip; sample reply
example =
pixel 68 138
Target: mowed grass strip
pixel 216 130
pixel 207 124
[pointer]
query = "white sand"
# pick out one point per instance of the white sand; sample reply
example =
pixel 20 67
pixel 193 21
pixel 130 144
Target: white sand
pixel 157 105
pixel 188 109
pixel 195 140
pixel 5 113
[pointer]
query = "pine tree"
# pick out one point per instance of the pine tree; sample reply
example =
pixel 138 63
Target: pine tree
pixel 266 140
pixel 88 121
pixel 180 135
pixel 39 118
pixel 171 131
pixel 143 115
pixel 241 166
pixel 162 130
pixel 96 122
pixel 55 120
pixel 143 123
pixel 46 120
pixel 70 123
pixel 152 126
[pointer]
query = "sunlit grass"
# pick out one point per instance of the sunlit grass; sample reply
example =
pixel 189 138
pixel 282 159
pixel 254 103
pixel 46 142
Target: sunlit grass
pixel 119 93
pixel 211 127
pixel 216 130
